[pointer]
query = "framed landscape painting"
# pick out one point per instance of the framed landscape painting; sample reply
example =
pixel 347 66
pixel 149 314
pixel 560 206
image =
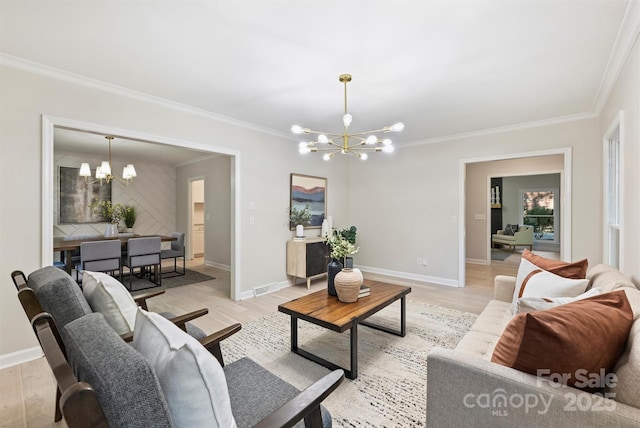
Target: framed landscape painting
pixel 311 191
pixel 76 196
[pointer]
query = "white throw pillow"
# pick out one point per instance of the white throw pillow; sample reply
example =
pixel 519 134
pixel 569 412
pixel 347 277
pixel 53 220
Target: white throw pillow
pixel 529 304
pixel 532 281
pixel 107 295
pixel 558 286
pixel 192 379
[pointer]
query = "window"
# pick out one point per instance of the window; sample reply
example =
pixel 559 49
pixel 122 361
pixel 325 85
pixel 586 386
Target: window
pixel 612 198
pixel 539 210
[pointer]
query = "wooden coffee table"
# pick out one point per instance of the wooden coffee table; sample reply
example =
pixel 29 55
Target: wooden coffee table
pixel 327 311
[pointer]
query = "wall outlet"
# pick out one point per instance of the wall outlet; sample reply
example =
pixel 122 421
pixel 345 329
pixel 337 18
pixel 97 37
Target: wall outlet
pixel 423 261
pixel 419 261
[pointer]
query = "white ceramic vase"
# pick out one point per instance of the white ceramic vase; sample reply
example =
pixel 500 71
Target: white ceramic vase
pixel 299 231
pixel 111 230
pixel 325 228
pixel 347 283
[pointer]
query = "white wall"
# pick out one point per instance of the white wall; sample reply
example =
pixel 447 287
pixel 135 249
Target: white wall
pixel 626 97
pixel 406 205
pixel 265 162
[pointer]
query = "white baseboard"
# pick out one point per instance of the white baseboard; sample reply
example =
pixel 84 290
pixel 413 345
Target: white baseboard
pixel 19 357
pixel 411 276
pixel 217 265
pixel 477 261
pixel 264 289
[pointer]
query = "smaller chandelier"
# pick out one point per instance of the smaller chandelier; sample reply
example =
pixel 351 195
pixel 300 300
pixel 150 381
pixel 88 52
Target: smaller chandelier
pixel 103 172
pixel 357 144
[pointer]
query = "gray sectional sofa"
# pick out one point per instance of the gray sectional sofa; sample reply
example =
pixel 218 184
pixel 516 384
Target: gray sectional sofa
pixel 464 388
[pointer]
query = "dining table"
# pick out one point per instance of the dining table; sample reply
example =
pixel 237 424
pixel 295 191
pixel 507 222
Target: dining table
pixel 68 246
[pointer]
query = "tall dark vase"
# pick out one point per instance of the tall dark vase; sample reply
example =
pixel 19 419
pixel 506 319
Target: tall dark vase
pixel 333 268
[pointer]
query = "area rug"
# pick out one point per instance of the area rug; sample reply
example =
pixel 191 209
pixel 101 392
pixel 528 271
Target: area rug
pixel 390 390
pixel 506 255
pixel 168 281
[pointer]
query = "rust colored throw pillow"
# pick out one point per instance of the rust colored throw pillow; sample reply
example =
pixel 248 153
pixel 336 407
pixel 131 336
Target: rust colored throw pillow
pixel 575 270
pixel 571 343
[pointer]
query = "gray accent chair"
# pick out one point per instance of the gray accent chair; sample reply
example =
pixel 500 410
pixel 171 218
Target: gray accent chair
pixel 111 384
pixel 53 291
pixel 143 253
pixel 101 256
pixel 176 251
pixel 129 393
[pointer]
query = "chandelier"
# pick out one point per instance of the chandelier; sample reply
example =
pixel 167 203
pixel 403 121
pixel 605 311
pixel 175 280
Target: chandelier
pixel 357 144
pixel 103 172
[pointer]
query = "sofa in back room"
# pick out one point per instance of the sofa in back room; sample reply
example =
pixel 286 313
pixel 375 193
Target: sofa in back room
pixel 521 236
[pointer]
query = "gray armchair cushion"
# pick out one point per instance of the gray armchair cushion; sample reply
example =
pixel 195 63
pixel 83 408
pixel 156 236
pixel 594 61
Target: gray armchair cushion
pixel 256 392
pixel 58 294
pixel 127 387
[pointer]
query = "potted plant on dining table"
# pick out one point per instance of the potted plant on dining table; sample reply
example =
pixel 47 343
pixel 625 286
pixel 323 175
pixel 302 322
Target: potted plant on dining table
pixel 111 213
pixel 129 216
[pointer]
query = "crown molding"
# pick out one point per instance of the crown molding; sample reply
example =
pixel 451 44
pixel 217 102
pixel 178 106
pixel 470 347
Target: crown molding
pixel 54 73
pixel 509 128
pixel 626 38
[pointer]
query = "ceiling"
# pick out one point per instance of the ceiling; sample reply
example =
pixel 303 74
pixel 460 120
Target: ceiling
pixel 441 67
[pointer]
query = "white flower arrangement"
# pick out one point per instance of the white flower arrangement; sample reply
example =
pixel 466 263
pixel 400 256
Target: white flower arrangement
pixel 340 247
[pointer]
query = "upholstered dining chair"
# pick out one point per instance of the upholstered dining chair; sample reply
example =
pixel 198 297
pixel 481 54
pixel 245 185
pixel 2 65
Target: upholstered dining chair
pixel 75 254
pixel 176 251
pixel 143 253
pixel 101 256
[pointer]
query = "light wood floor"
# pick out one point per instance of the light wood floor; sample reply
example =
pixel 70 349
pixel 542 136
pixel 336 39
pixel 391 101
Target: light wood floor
pixel 27 391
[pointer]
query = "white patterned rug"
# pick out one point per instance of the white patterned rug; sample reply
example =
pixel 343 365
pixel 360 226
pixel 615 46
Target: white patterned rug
pixel 390 390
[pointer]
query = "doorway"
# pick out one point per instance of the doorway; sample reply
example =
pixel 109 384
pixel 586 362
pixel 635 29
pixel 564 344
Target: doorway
pixel 48 165
pixel 197 223
pixel 475 208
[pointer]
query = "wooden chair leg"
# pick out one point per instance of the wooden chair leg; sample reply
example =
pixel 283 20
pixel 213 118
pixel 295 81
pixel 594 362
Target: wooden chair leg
pixel 58 415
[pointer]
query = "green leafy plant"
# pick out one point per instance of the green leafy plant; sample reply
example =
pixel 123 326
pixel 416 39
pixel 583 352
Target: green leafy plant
pixel 300 216
pixel 130 215
pixel 106 211
pixel 340 247
pixel 349 234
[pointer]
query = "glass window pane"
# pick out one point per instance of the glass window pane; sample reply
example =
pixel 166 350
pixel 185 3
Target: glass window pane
pixel 538 211
pixel 614 247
